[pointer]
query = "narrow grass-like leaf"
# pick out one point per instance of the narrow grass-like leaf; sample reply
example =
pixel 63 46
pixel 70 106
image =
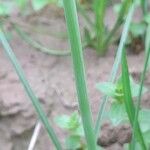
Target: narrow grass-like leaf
pixel 130 109
pixel 147 43
pixel 37 45
pixel 28 90
pixel 79 71
pixel 115 67
pixel 100 8
pixel 147 50
pixel 144 5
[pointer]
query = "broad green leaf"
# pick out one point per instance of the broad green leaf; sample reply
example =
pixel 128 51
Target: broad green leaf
pixel 144 120
pixel 68 122
pixel 117 113
pixel 137 29
pixel 79 131
pixel 119 96
pixel 74 121
pixel 62 121
pixel 134 87
pixel 116 90
pixel 73 142
pixel 107 88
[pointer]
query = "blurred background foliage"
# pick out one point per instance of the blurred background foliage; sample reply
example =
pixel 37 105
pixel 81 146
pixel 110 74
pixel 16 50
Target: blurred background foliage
pixel 8 7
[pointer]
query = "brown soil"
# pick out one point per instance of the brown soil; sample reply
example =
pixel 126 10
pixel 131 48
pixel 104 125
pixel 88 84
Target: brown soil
pixel 52 79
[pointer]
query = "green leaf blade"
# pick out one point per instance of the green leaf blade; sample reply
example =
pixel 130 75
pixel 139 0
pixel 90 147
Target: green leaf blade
pixel 79 71
pixel 28 90
pixel 130 109
pixel 107 88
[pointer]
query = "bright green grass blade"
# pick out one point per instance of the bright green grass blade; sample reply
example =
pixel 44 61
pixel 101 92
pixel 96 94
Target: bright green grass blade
pixel 79 71
pixel 115 67
pixel 100 8
pixel 29 91
pixel 124 9
pixel 147 51
pixel 130 109
pixel 144 5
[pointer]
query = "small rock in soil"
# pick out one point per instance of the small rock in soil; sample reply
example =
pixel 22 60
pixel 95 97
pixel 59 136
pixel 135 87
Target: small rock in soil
pixel 123 134
pixel 111 135
pixel 108 136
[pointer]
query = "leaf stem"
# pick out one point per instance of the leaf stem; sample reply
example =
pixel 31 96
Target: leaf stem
pixel 28 90
pixel 115 67
pixel 79 71
pixel 140 89
pixel 130 109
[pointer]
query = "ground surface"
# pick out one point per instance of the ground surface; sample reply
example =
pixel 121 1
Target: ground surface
pixel 51 78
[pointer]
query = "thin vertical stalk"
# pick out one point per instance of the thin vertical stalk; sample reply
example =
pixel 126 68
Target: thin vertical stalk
pixel 115 67
pixel 28 90
pixel 147 40
pixel 144 5
pixel 147 50
pixel 79 71
pixel 130 108
pixel 100 8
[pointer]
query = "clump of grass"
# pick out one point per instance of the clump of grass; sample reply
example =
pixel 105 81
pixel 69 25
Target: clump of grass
pixel 122 90
pixel 115 67
pixel 101 38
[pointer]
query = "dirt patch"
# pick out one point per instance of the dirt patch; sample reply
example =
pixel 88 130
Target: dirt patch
pixel 52 80
pixel 110 135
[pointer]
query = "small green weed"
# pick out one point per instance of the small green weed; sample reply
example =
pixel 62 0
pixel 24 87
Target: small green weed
pixel 125 93
pixel 7 7
pixel 73 125
pixel 117 113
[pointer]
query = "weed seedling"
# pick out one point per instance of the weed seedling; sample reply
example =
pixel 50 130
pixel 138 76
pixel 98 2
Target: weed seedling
pixel 73 125
pixel 117 112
